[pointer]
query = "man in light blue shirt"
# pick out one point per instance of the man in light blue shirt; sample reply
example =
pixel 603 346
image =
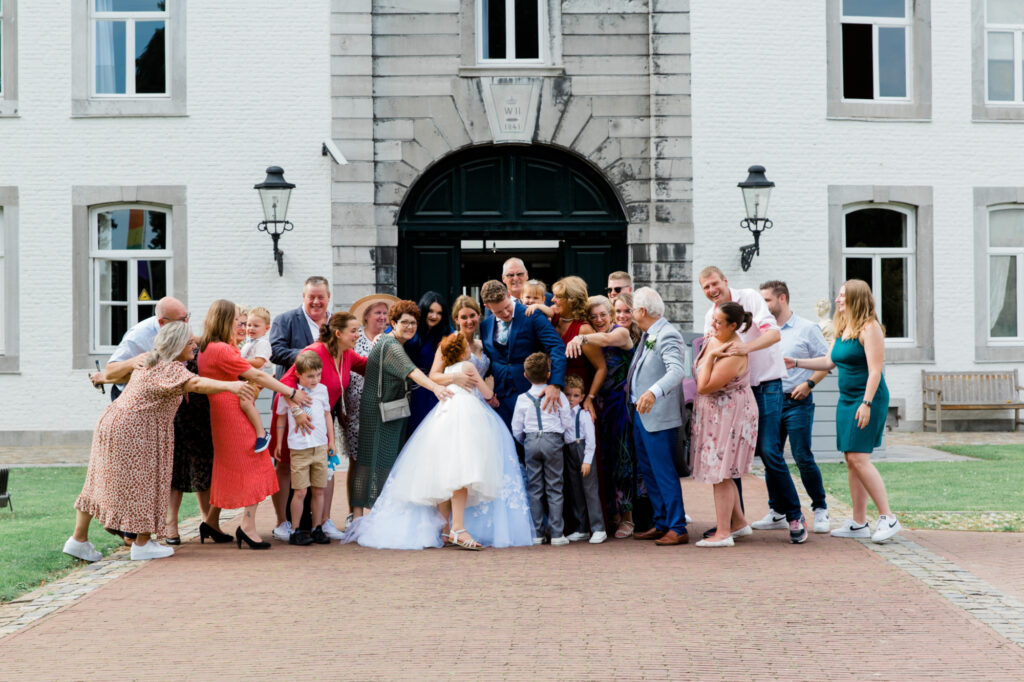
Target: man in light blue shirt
pixel 800 339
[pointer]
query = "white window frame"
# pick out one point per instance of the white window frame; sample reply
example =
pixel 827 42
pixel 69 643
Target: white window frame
pixel 909 252
pixel 1017 251
pixel 3 288
pixel 8 58
pixel 906 23
pixel 510 36
pixel 131 255
pixel 1017 30
pixel 130 19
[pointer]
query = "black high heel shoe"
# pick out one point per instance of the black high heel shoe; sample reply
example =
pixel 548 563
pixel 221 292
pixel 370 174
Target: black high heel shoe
pixel 176 540
pixel 208 531
pixel 240 535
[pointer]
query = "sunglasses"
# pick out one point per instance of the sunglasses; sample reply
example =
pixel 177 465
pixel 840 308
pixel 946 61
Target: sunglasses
pixel 614 290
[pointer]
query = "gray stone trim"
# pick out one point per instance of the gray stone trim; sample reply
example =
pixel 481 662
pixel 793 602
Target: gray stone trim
pixel 919 108
pixel 980 110
pixel 10 360
pixel 985 197
pixel 840 196
pixel 46 439
pixel 83 104
pixel 9 35
pixel 83 199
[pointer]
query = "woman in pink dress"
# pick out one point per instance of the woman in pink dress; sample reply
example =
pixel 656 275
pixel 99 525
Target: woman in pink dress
pixel 724 423
pixel 241 476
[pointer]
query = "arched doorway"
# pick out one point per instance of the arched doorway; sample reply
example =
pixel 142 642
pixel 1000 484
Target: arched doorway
pixel 474 209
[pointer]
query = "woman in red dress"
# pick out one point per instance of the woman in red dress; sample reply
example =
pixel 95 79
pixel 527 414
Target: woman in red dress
pixel 570 303
pixel 336 350
pixel 241 477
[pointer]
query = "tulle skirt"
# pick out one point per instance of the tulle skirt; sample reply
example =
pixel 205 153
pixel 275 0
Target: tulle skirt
pixel 462 443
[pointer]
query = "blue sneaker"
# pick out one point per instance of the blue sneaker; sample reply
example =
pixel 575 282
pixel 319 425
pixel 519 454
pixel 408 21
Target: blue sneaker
pixel 263 443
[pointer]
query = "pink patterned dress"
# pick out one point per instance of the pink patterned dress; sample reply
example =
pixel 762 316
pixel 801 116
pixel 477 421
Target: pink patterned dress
pixel 724 430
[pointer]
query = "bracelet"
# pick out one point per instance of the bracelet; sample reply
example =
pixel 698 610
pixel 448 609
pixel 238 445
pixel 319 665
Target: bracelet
pixel 796 363
pixel 866 403
pixel 292 396
pixel 583 339
pixel 591 396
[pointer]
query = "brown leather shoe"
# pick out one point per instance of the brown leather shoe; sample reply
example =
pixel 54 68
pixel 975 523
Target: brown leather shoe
pixel 672 538
pixel 652 534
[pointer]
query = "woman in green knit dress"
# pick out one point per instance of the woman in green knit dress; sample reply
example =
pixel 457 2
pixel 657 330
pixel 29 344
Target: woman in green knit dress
pixel 859 352
pixel 389 367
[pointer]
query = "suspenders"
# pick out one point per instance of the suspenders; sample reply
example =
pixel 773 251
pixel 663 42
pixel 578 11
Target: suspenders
pixel 578 413
pixel 536 406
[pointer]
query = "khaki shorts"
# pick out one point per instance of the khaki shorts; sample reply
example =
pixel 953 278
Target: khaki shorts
pixel 309 467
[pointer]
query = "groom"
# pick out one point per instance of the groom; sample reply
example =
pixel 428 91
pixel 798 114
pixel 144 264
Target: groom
pixel 509 336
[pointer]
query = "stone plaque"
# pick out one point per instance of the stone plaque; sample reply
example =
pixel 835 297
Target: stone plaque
pixel 511 104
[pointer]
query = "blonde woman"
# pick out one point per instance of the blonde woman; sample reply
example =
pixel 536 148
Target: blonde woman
pixel 128 483
pixel 570 303
pixel 859 352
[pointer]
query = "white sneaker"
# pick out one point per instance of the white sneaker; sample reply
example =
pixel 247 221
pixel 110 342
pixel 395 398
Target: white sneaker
pixel 283 532
pixel 150 550
pixel 687 518
pixel 821 524
pixel 331 531
pixel 560 541
pixel 728 542
pixel 852 529
pixel 81 550
pixel 772 521
pixel 886 527
pixel 539 541
pixel 598 537
pixel 742 532
pixel 577 536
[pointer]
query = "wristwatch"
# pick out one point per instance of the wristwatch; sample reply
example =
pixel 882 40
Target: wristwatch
pixel 866 403
pixel 811 384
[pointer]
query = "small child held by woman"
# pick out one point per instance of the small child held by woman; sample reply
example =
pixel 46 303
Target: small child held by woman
pixel 256 351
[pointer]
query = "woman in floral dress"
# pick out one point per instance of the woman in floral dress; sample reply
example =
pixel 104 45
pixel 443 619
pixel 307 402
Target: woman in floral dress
pixel 724 422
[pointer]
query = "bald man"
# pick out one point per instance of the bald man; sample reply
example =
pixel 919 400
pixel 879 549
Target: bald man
pixel 514 275
pixel 138 341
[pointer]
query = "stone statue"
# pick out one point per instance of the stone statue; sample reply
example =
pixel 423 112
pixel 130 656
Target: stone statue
pixel 824 309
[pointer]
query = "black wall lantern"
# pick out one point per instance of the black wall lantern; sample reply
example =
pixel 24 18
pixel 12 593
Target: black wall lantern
pixel 275 192
pixel 756 191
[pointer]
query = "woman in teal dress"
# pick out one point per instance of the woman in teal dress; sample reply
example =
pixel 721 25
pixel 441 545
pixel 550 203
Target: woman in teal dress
pixel 859 353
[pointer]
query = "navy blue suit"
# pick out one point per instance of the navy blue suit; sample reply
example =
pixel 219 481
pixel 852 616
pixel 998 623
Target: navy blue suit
pixel 527 335
pixel 288 336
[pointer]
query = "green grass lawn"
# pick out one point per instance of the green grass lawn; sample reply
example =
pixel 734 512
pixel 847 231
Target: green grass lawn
pixel 32 539
pixel 987 494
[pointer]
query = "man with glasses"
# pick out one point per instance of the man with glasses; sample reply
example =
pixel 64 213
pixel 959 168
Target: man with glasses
pixel 619 282
pixel 515 276
pixel 138 341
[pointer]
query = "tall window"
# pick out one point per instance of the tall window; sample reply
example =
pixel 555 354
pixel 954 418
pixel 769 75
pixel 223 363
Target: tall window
pixel 878 247
pixel 130 258
pixel 876 38
pixel 1006 273
pixel 1 48
pixel 129 47
pixel 4 303
pixel 1004 53
pixel 510 31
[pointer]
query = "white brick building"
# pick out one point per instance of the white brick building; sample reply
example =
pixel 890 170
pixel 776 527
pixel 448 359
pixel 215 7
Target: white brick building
pixel 563 133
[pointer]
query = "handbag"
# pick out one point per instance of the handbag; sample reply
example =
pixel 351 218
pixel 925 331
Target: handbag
pixel 392 410
pixel 681 454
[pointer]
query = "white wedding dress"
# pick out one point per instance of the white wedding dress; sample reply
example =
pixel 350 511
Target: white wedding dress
pixel 461 443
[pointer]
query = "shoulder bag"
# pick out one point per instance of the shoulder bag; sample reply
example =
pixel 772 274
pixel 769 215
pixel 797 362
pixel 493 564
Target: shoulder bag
pixel 392 410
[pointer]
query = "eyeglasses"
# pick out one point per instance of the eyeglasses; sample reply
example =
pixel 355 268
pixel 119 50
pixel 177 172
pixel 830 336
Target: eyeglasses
pixel 614 290
pixel 407 323
pixel 515 274
pixel 187 317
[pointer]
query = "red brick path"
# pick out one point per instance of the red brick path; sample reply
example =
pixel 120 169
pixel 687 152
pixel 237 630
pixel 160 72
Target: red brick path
pixel 767 610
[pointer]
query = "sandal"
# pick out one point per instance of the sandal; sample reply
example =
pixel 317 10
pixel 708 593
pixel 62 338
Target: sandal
pixel 445 539
pixel 456 539
pixel 624 530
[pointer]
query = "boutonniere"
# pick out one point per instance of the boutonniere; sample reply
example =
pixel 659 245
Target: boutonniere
pixel 649 343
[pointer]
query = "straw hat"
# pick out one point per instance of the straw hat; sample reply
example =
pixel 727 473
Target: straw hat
pixel 360 307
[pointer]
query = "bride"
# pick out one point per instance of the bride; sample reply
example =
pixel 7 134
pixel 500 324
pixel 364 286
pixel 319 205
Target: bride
pixel 461 454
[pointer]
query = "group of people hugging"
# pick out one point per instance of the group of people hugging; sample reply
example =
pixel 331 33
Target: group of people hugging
pixel 537 417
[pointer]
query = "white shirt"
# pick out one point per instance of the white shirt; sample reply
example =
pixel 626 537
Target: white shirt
pixel 321 403
pixel 137 340
pixel 800 339
pixel 259 348
pixel 766 364
pixel 524 417
pixel 314 328
pixel 655 389
pixel 586 434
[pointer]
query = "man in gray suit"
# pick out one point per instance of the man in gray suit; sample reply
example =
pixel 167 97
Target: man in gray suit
pixel 653 387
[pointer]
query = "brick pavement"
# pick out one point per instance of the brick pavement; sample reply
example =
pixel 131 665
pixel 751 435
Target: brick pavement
pixel 996 558
pixel 624 610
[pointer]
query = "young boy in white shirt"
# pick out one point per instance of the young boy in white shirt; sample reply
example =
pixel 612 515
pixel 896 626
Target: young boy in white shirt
pixel 581 442
pixel 256 351
pixel 309 452
pixel 542 434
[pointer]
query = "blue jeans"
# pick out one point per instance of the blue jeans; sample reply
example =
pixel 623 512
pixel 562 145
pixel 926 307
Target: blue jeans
pixel 654 459
pixel 797 419
pixel 781 490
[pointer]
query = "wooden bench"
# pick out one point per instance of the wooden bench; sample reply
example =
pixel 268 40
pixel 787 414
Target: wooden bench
pixel 969 391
